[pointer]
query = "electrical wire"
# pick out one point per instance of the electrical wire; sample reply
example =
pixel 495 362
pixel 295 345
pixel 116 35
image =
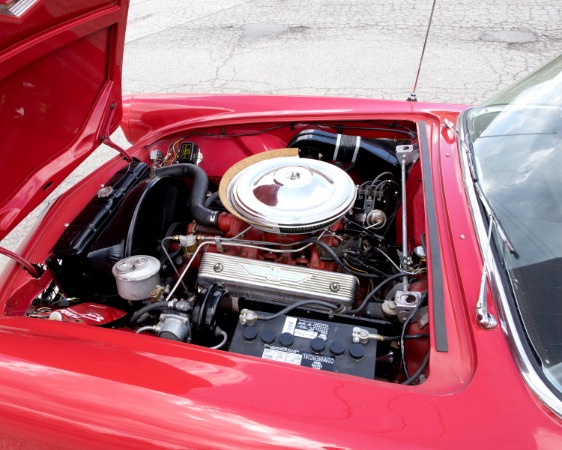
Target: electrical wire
pixel 405 272
pixel 365 230
pixel 409 133
pixel 352 259
pixel 354 268
pixel 383 174
pixel 289 308
pixel 224 135
pixel 391 127
pixel 406 323
pixel 338 261
pixel 173 151
pixel 418 372
pixel 224 339
pixel 406 336
pixel 368 297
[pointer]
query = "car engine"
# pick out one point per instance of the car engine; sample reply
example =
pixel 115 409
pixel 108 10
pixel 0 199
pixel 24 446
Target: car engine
pixel 294 242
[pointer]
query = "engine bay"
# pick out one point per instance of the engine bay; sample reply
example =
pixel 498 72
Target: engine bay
pixel 295 242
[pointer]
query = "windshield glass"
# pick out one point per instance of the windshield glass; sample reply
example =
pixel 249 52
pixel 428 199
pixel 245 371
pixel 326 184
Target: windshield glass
pixel 517 143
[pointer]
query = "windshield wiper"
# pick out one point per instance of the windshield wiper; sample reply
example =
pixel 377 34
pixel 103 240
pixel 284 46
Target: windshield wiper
pixel 483 317
pixel 482 197
pixel 493 218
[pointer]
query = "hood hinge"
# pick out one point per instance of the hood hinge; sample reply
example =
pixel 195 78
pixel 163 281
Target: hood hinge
pixel 106 139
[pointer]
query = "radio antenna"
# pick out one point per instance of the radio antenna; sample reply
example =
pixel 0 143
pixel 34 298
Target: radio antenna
pixel 413 97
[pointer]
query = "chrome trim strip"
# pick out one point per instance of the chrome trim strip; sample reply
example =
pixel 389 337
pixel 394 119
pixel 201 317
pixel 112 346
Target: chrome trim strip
pixel 507 320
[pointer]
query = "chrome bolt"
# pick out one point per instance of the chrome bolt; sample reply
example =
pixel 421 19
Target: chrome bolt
pixel 218 267
pixel 334 287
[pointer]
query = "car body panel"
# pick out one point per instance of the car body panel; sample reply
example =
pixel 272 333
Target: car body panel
pixel 108 387
pixel 60 94
pixel 68 385
pixel 127 390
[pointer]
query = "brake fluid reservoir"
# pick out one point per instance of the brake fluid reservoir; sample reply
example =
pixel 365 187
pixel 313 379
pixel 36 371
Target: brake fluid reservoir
pixel 136 276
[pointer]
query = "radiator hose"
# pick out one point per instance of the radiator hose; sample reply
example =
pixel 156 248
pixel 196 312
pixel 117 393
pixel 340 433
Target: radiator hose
pixel 199 211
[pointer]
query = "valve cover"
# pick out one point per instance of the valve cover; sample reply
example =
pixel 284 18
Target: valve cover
pixel 276 282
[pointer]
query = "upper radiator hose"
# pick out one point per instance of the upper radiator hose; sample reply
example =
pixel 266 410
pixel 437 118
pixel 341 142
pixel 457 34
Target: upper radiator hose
pixel 199 211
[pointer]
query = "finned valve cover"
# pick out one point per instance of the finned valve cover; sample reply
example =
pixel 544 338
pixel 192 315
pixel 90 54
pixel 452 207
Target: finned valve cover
pixel 277 282
pixel 291 194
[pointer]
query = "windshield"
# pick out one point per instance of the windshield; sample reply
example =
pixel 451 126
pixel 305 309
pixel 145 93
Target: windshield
pixel 517 143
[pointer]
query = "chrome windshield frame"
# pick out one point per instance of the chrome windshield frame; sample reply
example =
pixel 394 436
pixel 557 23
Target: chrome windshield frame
pixel 507 319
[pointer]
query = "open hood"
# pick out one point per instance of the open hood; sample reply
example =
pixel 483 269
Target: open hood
pixel 60 93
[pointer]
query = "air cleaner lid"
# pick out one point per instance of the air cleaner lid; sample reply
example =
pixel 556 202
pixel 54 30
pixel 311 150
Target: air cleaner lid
pixel 291 194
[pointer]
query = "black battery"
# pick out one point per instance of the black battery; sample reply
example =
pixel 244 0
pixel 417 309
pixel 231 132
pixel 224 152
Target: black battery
pixel 308 342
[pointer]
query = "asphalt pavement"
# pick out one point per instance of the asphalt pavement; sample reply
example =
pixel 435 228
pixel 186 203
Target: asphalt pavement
pixel 357 48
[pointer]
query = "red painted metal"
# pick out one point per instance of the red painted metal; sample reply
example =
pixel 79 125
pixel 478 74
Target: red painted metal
pixel 68 385
pixel 60 73
pixel 14 11
pixel 88 314
pixel 137 390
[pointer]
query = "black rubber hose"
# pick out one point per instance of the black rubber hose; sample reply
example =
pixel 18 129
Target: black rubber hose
pixel 146 309
pixel 199 211
pixel 211 199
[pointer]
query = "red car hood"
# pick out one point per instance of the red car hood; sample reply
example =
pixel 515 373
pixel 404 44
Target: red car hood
pixel 60 94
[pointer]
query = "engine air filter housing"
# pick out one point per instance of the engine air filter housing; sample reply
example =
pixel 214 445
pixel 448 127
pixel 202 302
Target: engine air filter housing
pixel 291 194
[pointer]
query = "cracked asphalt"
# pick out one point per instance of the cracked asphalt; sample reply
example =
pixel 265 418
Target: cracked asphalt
pixel 357 48
pixel 338 47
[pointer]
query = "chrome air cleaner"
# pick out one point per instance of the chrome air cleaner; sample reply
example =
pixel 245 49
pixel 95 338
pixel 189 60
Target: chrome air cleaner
pixel 290 194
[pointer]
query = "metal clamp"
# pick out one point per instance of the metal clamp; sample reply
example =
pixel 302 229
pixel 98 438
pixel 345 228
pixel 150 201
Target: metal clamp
pixel 362 336
pixel 405 302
